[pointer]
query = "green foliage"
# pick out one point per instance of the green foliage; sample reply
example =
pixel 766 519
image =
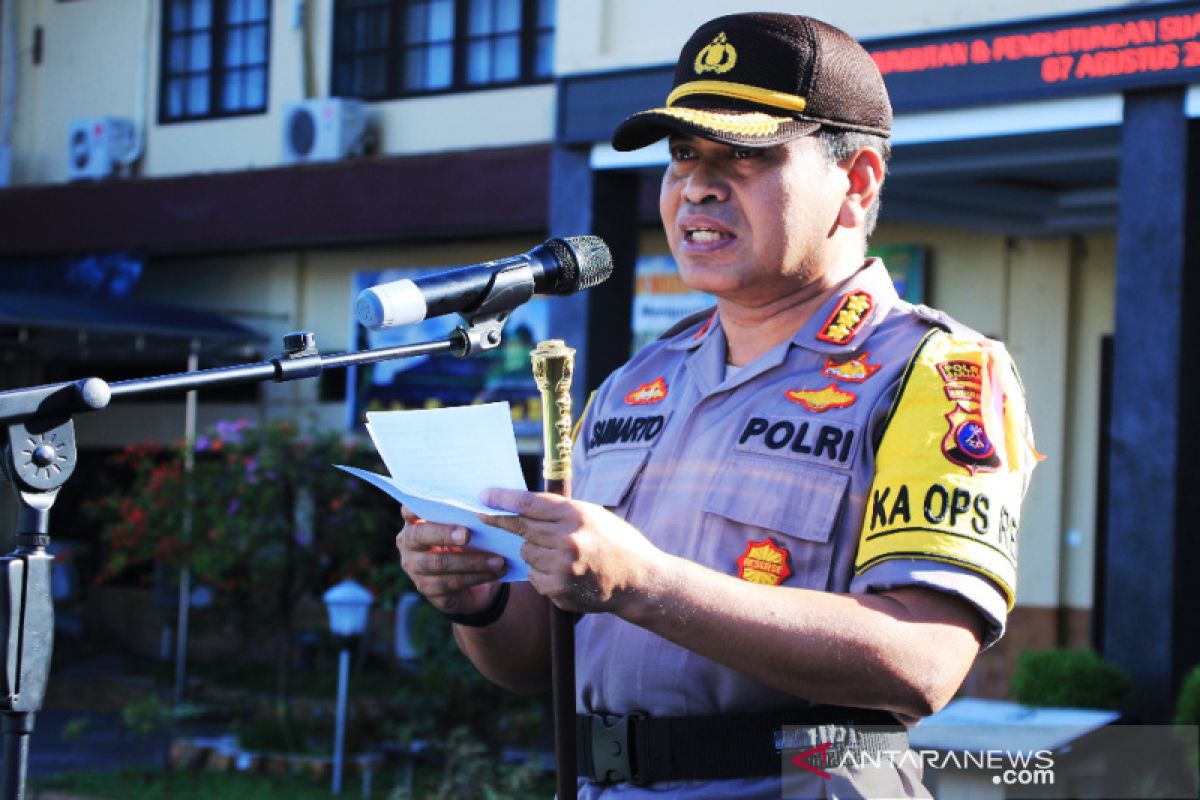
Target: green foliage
pixel 144 716
pixel 262 517
pixel 1187 707
pixel 469 770
pixel 282 731
pixel 74 728
pixel 187 785
pixel 428 782
pixel 1187 712
pixel 447 692
pixel 148 715
pixel 272 734
pixel 263 514
pixel 1069 678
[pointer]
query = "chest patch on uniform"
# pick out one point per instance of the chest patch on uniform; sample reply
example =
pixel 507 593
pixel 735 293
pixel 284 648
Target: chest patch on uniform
pixel 628 430
pixel 848 318
pixel 856 370
pixel 822 399
pixel 967 443
pixel 829 444
pixel 764 562
pixel 647 393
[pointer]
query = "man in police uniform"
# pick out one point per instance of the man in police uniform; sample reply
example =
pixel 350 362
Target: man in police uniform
pixel 796 514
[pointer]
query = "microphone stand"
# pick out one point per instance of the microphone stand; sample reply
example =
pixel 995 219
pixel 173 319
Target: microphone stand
pixel 40 457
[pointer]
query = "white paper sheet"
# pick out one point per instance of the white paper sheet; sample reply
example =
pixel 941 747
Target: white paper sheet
pixel 441 459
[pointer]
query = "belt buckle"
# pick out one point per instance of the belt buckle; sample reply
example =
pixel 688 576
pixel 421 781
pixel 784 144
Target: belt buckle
pixel 612 757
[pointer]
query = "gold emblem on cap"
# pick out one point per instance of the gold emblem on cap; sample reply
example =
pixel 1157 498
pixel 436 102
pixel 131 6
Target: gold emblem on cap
pixel 717 56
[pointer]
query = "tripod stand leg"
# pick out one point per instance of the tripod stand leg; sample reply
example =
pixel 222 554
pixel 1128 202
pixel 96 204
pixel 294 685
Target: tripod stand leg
pixel 27 641
pixel 18 725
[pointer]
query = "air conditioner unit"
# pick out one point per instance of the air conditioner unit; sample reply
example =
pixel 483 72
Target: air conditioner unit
pixel 326 129
pixel 95 145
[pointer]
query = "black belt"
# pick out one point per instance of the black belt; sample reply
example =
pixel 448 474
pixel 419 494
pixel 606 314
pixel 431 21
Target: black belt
pixel 638 748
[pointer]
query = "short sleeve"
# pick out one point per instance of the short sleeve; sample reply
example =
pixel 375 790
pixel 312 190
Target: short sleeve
pixel 983 594
pixel 952 468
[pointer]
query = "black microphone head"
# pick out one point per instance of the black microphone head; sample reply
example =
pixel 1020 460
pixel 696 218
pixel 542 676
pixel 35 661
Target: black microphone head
pixel 582 262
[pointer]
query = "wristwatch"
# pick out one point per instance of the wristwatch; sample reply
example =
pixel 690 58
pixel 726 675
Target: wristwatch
pixel 485 616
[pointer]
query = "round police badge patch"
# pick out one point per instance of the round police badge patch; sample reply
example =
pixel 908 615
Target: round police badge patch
pixel 973 440
pixel 967 443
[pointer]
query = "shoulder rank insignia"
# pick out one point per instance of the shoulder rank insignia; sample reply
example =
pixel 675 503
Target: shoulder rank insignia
pixel 648 393
pixel 764 562
pixel 856 370
pixel 848 318
pixel 822 399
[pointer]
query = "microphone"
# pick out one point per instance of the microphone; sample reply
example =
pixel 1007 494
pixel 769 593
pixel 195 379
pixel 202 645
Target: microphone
pixel 558 266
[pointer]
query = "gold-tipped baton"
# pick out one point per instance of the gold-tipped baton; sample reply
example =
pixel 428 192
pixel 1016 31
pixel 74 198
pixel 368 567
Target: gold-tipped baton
pixel 553 365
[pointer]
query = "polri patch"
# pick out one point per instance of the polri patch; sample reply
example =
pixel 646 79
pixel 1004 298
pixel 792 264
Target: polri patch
pixel 764 562
pixel 829 444
pixel 647 393
pixel 855 370
pixel 822 399
pixel 847 318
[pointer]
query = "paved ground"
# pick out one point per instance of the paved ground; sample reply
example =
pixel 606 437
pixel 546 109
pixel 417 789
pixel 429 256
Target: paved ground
pixel 101 743
pixel 80 727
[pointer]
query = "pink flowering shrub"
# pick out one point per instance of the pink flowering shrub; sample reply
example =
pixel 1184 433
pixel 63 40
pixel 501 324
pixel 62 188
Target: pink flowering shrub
pixel 263 518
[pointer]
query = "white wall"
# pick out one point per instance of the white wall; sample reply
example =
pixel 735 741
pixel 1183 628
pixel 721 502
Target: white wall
pixel 97 53
pixel 89 67
pixel 1093 282
pixel 597 35
pixel 1038 309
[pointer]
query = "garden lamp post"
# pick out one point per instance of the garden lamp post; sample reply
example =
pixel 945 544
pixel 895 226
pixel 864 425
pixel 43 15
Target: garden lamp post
pixel 348 603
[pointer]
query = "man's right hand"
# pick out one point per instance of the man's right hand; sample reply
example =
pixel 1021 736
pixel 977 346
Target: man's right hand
pixel 454 577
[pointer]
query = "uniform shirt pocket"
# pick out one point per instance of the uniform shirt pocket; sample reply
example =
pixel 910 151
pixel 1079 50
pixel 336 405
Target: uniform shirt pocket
pixel 793 506
pixel 609 477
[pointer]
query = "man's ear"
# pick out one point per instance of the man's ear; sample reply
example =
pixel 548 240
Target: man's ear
pixel 865 172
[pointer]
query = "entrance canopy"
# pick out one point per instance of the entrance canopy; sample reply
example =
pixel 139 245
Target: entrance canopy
pixel 82 328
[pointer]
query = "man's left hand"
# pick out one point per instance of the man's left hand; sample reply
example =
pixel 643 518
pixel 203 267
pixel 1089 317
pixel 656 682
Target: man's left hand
pixel 581 556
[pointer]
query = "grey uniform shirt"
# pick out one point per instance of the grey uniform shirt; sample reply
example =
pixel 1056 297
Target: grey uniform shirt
pixel 764 474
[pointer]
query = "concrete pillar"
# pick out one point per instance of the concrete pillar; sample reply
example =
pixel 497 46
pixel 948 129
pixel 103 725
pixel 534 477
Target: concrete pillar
pixel 1151 561
pixel 597 323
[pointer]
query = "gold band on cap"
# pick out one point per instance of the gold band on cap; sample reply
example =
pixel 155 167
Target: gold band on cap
pixel 739 91
pixel 754 124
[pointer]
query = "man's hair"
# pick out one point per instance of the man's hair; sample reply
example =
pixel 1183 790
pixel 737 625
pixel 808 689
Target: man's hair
pixel 841 144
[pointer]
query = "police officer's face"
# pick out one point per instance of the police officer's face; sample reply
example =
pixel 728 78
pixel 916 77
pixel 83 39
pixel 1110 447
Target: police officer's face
pixel 750 224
